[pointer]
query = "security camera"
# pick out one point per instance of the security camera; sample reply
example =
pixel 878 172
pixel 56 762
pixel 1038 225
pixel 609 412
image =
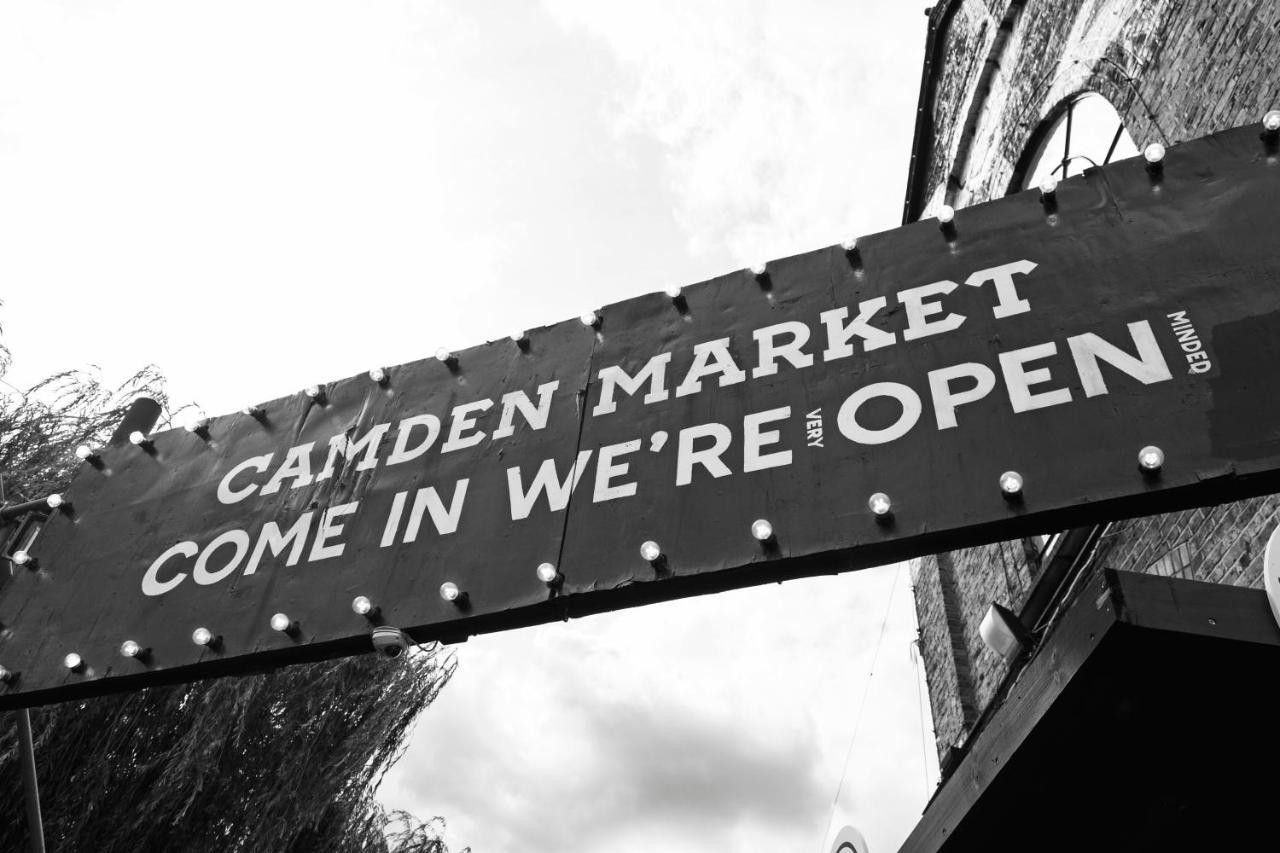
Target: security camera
pixel 390 642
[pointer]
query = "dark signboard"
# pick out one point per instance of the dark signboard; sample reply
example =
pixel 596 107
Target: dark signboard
pixel 932 388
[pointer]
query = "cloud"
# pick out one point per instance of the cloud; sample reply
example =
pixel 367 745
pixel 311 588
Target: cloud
pixel 776 116
pixel 715 723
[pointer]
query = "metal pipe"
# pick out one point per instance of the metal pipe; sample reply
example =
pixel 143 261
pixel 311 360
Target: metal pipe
pixel 18 510
pixel 30 785
pixel 141 416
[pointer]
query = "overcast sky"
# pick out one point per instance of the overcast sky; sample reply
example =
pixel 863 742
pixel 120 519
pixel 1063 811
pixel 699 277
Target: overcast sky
pixel 257 196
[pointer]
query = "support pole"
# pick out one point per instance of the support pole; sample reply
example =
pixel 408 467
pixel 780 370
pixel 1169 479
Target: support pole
pixel 30 786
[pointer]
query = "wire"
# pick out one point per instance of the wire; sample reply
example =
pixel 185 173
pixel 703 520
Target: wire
pixel 866 688
pixel 918 659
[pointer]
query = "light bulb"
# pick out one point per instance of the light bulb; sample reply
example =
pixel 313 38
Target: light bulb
pixel 73 661
pixel 377 375
pixel 312 391
pixel 1011 482
pixel 880 504
pixel 54 500
pixel 758 269
pixel 519 337
pixel 449 591
pixel 1048 186
pixel 946 214
pixel 1271 121
pixel 195 423
pixel 1151 458
pixel 137 438
pixel 202 637
pixel 21 558
pixel 673 291
pixel 361 605
pixel 1154 153
pixel 443 355
pixel 84 452
pixel 130 649
pixel 849 244
pixel 762 529
pixel 281 622
pixel 548 573
pixel 650 550
pixel 590 318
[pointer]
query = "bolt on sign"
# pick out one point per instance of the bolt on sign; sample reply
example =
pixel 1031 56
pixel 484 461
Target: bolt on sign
pixel 1107 347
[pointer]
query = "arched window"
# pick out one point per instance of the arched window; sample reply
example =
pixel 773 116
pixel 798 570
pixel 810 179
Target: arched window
pixel 1087 131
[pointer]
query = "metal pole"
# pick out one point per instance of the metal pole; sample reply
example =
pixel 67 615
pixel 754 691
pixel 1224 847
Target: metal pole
pixel 30 785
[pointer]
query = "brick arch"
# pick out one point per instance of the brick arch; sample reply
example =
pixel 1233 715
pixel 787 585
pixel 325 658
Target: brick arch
pixel 1030 145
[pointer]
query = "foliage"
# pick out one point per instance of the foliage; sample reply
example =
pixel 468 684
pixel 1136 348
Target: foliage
pixel 284 761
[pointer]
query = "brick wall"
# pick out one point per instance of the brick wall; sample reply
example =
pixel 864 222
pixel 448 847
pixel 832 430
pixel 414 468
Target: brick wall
pixel 1174 69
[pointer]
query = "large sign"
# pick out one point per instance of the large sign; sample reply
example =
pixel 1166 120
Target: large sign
pixel 1038 362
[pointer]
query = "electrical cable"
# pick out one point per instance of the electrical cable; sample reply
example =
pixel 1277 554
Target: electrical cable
pixel 866 689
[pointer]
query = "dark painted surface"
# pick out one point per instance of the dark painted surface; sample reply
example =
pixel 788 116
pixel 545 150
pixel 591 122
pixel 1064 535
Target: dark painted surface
pixel 1125 731
pixel 1119 249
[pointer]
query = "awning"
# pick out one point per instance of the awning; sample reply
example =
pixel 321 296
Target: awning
pixel 1147 720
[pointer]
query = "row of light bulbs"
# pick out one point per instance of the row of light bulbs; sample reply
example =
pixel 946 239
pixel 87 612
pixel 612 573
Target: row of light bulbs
pixel 1150 460
pixel 1153 154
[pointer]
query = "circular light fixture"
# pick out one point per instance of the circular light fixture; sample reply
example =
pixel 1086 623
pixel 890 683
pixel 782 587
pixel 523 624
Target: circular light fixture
pixel 1151 458
pixel 946 214
pixel 73 661
pixel 590 318
pixel 312 391
pixel 6 675
pixel 849 244
pixel 879 504
pixel 195 423
pixel 1271 121
pixel 1154 153
pixel 20 558
pixel 443 355
pixel 130 649
pixel 54 500
pixel 251 411
pixel 519 337
pixel 1048 186
pixel 282 623
pixel 377 375
pixel 137 438
pixel 673 291
pixel 548 573
pixel 202 637
pixel 758 269
pixel 361 605
pixel 651 551
pixel 449 591
pixel 1011 483
pixel 84 452
pixel 761 529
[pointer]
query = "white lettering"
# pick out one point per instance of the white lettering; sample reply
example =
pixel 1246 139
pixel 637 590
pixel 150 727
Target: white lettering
pixel 606 471
pixel 1018 380
pixel 546 480
pixel 708 457
pixel 754 439
pixel 847 417
pixel 770 350
pixel 534 416
pixel 945 400
pixel 654 373
pixel 151 583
